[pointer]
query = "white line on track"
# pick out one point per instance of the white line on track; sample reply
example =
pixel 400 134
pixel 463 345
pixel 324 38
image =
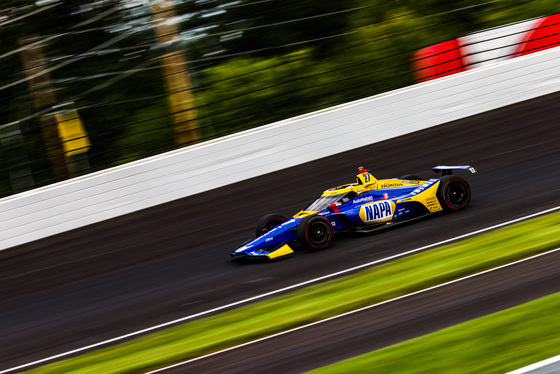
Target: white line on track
pixel 540 365
pixel 355 311
pixel 301 284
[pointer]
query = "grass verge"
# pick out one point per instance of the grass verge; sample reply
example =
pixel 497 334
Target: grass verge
pixel 320 301
pixel 498 343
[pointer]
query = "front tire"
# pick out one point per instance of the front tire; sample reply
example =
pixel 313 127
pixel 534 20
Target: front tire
pixel 268 222
pixel 454 193
pixel 315 232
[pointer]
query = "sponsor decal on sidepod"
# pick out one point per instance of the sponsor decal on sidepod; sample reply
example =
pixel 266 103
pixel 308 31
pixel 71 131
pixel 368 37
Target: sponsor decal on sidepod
pixel 377 211
pixel 362 199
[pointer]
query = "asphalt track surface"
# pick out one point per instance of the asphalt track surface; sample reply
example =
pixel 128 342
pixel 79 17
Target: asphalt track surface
pixel 161 264
pixel 368 330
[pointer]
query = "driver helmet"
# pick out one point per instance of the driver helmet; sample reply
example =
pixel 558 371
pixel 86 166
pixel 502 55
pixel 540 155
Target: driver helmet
pixel 365 178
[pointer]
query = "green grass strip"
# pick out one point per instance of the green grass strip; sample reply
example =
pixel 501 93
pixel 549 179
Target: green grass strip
pixel 320 301
pixel 498 343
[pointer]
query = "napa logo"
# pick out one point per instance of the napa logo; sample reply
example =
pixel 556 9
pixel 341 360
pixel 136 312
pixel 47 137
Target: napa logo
pixel 379 211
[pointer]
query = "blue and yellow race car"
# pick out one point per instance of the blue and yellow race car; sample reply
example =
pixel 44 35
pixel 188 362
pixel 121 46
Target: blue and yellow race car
pixel 366 205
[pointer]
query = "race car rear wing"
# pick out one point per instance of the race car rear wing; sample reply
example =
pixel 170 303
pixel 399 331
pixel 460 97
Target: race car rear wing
pixel 448 170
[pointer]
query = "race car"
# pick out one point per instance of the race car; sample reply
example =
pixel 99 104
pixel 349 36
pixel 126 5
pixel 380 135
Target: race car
pixel 365 205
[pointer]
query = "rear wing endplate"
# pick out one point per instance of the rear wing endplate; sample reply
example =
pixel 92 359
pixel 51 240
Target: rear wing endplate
pixel 448 170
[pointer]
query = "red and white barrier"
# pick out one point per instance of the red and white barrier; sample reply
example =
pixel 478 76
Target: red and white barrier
pixel 487 47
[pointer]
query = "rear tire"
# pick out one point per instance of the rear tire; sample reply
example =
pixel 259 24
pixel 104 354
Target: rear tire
pixel 315 232
pixel 268 222
pixel 454 193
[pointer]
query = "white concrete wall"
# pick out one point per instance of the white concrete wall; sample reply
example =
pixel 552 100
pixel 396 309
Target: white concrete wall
pixel 107 194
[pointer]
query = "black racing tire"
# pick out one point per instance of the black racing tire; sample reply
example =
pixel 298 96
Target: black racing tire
pixel 454 193
pixel 315 232
pixel 412 177
pixel 268 222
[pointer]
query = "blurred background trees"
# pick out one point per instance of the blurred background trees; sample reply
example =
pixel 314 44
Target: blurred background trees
pixel 244 64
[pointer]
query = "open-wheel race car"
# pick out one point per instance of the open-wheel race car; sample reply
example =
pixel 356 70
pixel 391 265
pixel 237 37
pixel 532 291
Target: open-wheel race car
pixel 366 205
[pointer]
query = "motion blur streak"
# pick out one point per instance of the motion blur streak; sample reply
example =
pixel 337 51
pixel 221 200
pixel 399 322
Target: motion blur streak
pixel 346 271
pixel 359 310
pixel 251 63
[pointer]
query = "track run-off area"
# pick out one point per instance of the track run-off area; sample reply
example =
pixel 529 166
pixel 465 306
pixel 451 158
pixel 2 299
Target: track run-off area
pixel 277 346
pixel 131 275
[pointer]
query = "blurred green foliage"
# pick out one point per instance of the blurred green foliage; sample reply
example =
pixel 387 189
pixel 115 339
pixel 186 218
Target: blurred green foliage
pixel 372 57
pixel 250 63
